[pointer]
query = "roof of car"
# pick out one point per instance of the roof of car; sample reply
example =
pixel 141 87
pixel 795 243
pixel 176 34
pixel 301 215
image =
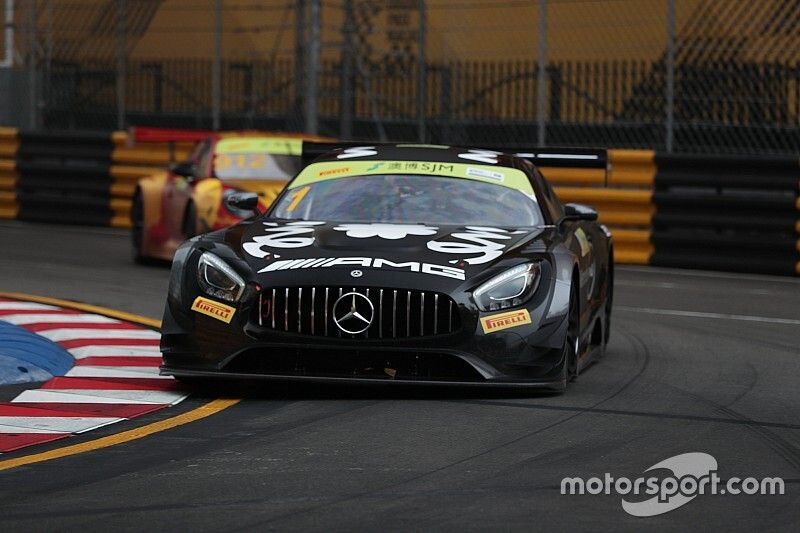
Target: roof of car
pixel 420 152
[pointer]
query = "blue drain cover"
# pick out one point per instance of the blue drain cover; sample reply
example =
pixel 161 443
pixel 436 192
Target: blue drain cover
pixel 27 357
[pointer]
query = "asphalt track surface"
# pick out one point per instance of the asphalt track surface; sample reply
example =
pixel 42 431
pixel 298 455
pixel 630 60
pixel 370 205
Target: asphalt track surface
pixel 698 362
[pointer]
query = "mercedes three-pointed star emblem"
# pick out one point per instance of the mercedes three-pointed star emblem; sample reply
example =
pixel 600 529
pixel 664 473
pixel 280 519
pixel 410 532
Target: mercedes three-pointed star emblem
pixel 353 313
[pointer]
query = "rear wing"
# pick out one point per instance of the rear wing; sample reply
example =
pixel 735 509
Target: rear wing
pixel 543 158
pixel 172 137
pixel 568 165
pixel 563 157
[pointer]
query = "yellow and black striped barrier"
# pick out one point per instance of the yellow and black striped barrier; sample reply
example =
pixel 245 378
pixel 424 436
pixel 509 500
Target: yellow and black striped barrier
pixel 9 144
pixel 623 197
pixel 690 211
pixel 132 161
pixel 63 177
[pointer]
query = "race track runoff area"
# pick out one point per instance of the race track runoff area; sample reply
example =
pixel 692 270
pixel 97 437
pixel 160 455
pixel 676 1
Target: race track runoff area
pixel 700 365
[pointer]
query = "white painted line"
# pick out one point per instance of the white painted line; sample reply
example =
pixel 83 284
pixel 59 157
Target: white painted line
pixel 698 314
pixel 12 429
pixel 23 319
pixel 91 371
pixel 648 284
pixel 58 424
pixel 114 351
pixel 707 274
pixel 100 396
pixel 71 334
pixel 25 306
pixel 567 156
pixel 684 287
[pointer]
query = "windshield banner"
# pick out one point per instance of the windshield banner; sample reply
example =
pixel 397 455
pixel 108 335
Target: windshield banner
pixel 505 176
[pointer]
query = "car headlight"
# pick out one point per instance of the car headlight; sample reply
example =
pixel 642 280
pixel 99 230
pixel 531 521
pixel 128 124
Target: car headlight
pixel 509 289
pixel 218 279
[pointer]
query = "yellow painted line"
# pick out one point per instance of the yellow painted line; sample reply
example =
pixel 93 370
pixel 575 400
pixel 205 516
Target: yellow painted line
pixel 198 413
pixel 113 313
pixel 212 407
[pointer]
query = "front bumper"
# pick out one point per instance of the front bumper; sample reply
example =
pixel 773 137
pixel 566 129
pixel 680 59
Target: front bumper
pixel 526 354
pixel 529 355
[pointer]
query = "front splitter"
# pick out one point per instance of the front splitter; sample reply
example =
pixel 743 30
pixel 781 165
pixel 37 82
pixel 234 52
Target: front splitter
pixel 496 384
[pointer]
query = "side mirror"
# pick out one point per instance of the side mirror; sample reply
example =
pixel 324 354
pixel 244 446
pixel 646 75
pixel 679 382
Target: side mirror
pixel 243 201
pixel 579 212
pixel 185 169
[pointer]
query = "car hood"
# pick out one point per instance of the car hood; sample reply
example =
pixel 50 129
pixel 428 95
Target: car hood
pixel 429 257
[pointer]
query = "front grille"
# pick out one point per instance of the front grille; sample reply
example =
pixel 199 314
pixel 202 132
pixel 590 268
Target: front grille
pixel 398 313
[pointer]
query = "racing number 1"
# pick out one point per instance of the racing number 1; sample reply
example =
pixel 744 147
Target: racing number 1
pixel 297 197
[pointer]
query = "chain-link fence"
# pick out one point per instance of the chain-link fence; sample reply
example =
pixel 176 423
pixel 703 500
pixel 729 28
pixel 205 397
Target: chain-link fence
pixel 674 75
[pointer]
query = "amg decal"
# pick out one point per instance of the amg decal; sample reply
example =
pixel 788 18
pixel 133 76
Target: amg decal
pixel 367 262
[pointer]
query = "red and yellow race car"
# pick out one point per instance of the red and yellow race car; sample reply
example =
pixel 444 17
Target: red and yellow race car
pixel 190 198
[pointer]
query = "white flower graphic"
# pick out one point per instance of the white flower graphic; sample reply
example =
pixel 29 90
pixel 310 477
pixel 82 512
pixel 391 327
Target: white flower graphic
pixel 292 235
pixel 479 240
pixel 385 231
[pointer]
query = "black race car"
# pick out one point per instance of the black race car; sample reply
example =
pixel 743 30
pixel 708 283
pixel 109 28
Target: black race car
pixel 399 264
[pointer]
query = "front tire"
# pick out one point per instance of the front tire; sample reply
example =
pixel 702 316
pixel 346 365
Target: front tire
pixel 569 369
pixel 609 301
pixel 573 336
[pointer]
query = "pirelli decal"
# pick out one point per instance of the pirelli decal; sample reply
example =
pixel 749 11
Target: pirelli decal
pixel 507 320
pixel 213 309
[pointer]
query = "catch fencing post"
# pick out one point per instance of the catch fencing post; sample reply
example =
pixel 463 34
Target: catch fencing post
pixel 670 76
pixel 216 68
pixel 422 74
pixel 122 23
pixel 312 68
pixel 8 35
pixel 346 121
pixel 296 120
pixel 541 75
pixel 33 93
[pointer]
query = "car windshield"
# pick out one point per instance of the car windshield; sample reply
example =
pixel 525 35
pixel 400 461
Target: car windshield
pixel 255 166
pixel 398 198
